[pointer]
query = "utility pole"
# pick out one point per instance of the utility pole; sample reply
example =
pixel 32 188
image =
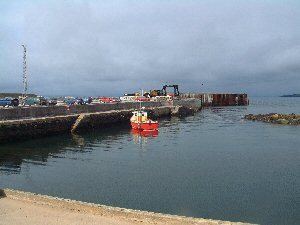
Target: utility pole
pixel 25 84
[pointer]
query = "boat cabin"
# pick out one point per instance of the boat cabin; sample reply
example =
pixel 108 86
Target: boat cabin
pixel 141 116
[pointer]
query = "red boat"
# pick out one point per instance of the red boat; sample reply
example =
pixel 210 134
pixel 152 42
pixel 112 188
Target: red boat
pixel 140 121
pixel 145 133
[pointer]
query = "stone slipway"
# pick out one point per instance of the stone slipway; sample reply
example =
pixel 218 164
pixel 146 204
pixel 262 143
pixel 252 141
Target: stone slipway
pixel 17 207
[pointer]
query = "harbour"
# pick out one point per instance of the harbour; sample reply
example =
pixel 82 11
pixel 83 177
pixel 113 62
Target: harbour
pixel 149 112
pixel 182 171
pixel 23 122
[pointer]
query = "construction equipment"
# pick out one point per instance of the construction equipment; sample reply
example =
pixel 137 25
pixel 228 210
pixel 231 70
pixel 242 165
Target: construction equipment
pixel 154 93
pixel 176 91
pixel 163 91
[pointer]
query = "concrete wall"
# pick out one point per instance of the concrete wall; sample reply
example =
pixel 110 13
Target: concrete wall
pixel 21 129
pixel 89 121
pixel 193 103
pixel 11 130
pixel 77 118
pixel 46 111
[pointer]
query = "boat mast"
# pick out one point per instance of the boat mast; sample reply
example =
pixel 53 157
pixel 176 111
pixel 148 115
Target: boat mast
pixel 141 99
pixel 25 83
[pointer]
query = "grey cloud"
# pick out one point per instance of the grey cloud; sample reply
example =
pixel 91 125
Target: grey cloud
pixel 109 47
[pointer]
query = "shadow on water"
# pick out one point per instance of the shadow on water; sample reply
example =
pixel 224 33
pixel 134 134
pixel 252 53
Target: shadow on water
pixel 38 151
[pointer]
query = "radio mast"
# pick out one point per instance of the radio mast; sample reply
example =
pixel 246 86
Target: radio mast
pixel 25 84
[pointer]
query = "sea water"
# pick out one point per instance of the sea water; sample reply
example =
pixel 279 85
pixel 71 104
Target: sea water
pixel 212 165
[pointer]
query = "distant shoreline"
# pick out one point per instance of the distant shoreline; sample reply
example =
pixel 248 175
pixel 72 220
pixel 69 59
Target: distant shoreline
pixel 289 96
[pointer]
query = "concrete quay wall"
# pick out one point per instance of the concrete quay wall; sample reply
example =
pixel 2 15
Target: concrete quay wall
pixel 11 130
pixel 48 111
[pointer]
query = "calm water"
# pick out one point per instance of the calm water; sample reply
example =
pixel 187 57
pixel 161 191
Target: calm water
pixel 213 165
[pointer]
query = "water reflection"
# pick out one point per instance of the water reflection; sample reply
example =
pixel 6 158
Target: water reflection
pixel 79 140
pixel 145 133
pixel 12 156
pixel 140 138
pixel 39 151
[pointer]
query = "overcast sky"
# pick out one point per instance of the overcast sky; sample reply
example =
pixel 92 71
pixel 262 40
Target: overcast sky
pixel 109 47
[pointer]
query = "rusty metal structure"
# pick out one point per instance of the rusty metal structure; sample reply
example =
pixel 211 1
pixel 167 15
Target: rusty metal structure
pixel 209 99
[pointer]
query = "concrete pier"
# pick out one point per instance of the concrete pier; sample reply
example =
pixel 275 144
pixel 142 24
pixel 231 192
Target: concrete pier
pixel 17 113
pixel 216 100
pixel 11 130
pixel 189 100
pixel 29 122
pixel 17 207
pixel 37 121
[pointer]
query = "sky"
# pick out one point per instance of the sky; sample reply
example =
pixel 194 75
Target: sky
pixel 97 48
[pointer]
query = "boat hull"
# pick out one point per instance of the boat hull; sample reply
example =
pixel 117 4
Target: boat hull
pixel 145 133
pixel 145 126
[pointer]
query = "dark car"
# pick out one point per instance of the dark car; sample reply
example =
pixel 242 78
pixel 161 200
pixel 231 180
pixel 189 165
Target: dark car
pixel 9 102
pixel 52 101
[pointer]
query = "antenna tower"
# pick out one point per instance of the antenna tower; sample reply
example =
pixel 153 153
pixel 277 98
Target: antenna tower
pixel 25 83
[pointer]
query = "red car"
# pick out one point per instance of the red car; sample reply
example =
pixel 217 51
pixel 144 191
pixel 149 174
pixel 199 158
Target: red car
pixel 142 99
pixel 108 99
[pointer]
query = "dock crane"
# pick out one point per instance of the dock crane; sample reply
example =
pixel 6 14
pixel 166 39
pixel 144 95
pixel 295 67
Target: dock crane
pixel 163 91
pixel 175 86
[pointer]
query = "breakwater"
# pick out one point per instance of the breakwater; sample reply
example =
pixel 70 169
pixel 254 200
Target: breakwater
pixel 36 122
pixel 209 99
pixel 17 113
pixel 284 119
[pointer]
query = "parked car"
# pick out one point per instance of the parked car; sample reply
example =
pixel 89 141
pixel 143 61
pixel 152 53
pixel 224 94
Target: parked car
pixel 127 98
pixel 30 101
pixel 79 101
pixel 88 100
pixel 7 101
pixel 69 100
pixel 43 100
pixel 52 101
pixel 15 102
pixel 142 99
